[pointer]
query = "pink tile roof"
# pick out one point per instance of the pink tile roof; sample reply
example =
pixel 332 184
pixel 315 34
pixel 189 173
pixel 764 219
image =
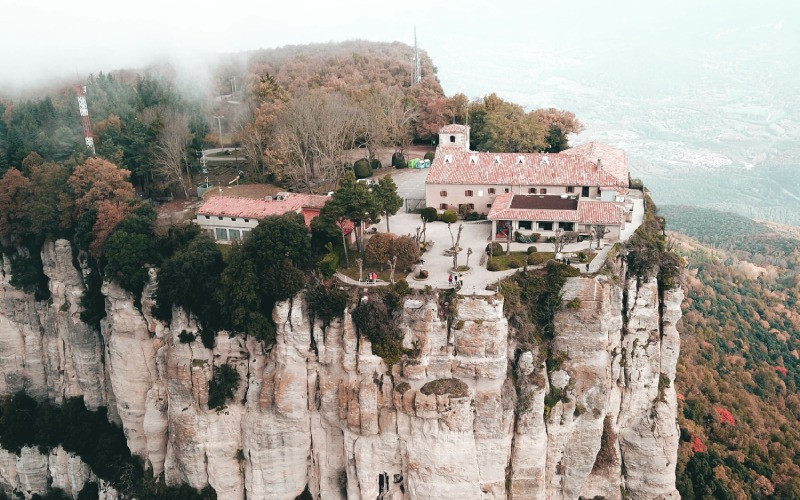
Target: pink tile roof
pixel 588 212
pixel 258 209
pixel 613 160
pixel 453 128
pixel 536 169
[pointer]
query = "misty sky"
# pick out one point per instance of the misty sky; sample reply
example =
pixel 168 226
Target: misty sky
pixel 45 39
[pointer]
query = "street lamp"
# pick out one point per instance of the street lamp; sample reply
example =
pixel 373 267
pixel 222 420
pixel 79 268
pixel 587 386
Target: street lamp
pixel 219 124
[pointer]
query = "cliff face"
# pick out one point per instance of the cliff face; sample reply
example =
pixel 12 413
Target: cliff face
pixel 472 415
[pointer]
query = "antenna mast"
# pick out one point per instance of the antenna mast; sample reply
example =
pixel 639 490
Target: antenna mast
pixel 80 91
pixel 417 66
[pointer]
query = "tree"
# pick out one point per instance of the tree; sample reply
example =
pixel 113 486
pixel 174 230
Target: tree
pixel 190 279
pixel 353 201
pixel 97 180
pixel 561 238
pixel 170 151
pixel 499 125
pixel 559 125
pixel 378 248
pixel 598 231
pixel 49 188
pixel 131 247
pixel 385 192
pixel 107 216
pixel 15 193
pixel 311 138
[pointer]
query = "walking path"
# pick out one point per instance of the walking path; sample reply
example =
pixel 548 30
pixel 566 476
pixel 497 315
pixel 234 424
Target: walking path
pixel 475 236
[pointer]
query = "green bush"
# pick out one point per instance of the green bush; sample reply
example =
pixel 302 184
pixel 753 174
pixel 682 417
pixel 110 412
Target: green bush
pixel 372 319
pixel 376 164
pixel 398 160
pixel 521 238
pixel 582 257
pixel 326 302
pixel 429 214
pixel 514 264
pixel 329 264
pixel 429 156
pixel 186 337
pixel 494 248
pixel 362 169
pixel 449 216
pixel 492 266
pixel 532 250
pixel 534 259
pixel 223 384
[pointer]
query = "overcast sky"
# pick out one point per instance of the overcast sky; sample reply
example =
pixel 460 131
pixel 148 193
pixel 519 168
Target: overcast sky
pixel 475 44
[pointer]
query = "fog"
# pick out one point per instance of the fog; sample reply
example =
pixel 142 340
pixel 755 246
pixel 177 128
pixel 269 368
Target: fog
pixel 701 93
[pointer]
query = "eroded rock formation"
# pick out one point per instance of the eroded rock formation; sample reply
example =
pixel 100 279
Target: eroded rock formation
pixel 472 414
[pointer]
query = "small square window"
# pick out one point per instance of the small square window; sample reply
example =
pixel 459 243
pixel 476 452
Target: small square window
pixel 471 206
pixel 208 216
pixel 531 190
pixel 507 190
pixel 488 205
pixel 442 193
pixel 468 192
pixel 247 220
pixel 233 219
pixel 543 191
pixel 570 189
pixel 443 206
pixel 491 190
pixel 221 218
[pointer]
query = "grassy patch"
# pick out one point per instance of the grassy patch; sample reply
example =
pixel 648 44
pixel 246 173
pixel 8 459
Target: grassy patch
pixel 516 260
pixel 352 272
pixel 452 386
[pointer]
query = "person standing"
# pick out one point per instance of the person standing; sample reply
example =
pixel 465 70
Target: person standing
pixel 450 279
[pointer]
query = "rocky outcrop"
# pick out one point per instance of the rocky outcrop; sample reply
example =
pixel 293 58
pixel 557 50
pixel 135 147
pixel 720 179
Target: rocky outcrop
pixel 470 413
pixel 34 473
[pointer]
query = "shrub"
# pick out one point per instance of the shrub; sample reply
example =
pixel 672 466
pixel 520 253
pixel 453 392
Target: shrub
pixel 329 264
pixel 464 210
pixel 581 257
pixel 423 274
pixel 574 304
pixel 208 337
pixel 430 155
pixel 475 216
pixel 534 259
pixel 531 250
pixel 362 169
pixel 494 248
pixel 449 216
pixel 429 214
pixel 326 302
pixel 186 337
pixel 376 164
pixel 492 266
pixel 514 264
pixel 398 160
pixel 223 384
pixel 454 387
pixel 372 319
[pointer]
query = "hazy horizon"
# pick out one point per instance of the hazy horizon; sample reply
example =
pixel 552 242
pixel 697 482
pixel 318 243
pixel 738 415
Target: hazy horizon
pixel 702 96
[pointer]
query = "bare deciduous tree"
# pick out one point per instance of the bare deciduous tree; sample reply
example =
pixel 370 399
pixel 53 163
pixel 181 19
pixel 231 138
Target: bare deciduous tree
pixel 561 238
pixel 170 151
pixel 598 231
pixel 311 138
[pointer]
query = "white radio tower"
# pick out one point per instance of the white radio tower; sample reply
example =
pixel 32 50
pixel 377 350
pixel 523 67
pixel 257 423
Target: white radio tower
pixel 417 65
pixel 80 91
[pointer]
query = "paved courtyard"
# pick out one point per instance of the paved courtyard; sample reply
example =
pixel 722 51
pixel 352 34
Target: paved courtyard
pixel 475 235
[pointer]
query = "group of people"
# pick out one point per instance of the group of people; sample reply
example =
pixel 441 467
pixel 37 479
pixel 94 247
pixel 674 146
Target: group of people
pixel 372 277
pixel 454 278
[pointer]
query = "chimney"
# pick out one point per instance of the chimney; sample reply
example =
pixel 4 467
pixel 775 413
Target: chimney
pixel 599 163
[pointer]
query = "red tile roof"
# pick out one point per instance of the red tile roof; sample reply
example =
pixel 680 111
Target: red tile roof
pixel 587 212
pixel 453 128
pixel 613 160
pixel 522 169
pixel 258 209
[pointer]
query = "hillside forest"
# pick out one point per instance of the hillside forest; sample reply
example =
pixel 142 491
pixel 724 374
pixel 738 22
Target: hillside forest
pixel 739 368
pixel 294 111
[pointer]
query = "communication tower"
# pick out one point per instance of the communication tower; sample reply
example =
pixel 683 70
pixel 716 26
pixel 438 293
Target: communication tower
pixel 417 65
pixel 80 91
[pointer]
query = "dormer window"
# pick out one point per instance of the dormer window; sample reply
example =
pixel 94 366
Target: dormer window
pixel 473 159
pixel 520 160
pixel 497 160
pixel 448 158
